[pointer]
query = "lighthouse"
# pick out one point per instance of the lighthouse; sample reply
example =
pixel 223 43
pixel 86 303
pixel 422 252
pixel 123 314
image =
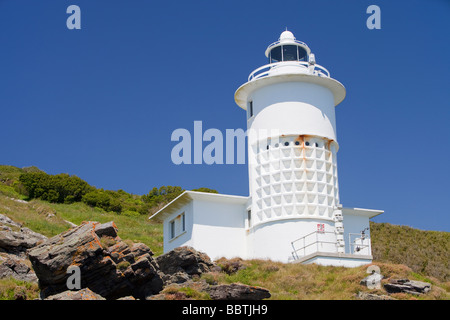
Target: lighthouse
pixel 293 212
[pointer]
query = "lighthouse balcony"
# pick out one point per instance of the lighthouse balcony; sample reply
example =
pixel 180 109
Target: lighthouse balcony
pixel 325 245
pixel 289 67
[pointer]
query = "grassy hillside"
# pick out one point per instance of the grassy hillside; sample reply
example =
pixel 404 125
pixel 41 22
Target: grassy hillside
pixel 425 252
pixel 400 251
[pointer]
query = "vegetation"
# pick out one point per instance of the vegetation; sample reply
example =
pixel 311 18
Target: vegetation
pixel 399 251
pixel 33 183
pixel 12 289
pixel 425 252
pixel 295 281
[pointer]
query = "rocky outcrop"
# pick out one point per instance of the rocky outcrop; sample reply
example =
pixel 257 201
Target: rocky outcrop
pixel 407 286
pixel 237 291
pixel 15 239
pixel 183 263
pixel 16 267
pixel 108 266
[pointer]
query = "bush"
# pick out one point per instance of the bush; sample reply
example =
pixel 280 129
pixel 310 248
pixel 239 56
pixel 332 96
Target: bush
pixel 58 188
pixel 102 199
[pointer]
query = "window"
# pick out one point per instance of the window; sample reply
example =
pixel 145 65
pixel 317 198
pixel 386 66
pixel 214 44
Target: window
pixel 290 53
pixel 275 55
pixel 172 229
pixel 286 143
pixel 307 143
pixel 297 143
pixel 177 226
pixel 250 109
pixel 249 218
pixel 302 54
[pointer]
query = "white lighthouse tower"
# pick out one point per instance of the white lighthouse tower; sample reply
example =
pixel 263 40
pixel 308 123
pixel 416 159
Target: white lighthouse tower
pixel 293 211
pixel 292 150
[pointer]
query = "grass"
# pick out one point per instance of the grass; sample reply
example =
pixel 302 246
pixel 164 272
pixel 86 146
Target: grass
pixel 11 289
pixel 313 282
pixel 425 252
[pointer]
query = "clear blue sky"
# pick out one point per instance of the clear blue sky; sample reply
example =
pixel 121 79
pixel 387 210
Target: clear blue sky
pixel 101 102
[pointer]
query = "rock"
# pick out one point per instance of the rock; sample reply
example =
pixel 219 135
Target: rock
pixel 407 286
pixel 237 291
pixel 229 266
pixel 4 220
pixel 372 280
pixel 15 239
pixel 18 268
pixel 106 229
pixel 139 249
pixel 183 263
pixel 83 294
pixel 112 272
pixel 370 296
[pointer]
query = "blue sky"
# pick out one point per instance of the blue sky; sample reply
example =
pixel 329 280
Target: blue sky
pixel 101 102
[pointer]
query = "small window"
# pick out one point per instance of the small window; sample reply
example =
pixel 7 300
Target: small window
pixel 286 143
pixel 250 109
pixel 172 229
pixel 297 143
pixel 249 218
pixel 177 226
pixel 317 145
pixel 275 55
pixel 302 54
pixel 276 145
pixel 307 143
pixel 290 53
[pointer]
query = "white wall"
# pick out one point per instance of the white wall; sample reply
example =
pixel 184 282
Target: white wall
pixel 219 229
pixel 355 224
pixel 294 108
pixel 272 240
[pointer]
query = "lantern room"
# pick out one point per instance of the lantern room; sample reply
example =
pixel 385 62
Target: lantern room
pixel 287 48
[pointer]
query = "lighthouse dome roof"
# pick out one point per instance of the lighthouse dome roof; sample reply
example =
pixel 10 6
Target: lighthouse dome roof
pixel 286 36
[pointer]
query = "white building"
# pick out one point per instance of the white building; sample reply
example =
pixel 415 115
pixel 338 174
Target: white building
pixel 293 212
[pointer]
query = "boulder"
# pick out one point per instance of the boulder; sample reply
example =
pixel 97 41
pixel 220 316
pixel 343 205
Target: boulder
pixel 237 291
pixel 16 239
pixel 83 294
pixel 407 286
pixel 4 220
pixel 111 269
pixel 372 281
pixel 16 267
pixel 182 263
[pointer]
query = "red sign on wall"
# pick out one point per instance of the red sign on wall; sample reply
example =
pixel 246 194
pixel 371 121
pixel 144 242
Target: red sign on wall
pixel 320 227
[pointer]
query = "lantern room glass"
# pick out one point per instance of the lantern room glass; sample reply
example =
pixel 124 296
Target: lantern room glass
pixel 287 53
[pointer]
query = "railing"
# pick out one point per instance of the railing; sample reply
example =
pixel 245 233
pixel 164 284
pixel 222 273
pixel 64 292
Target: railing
pixel 315 237
pixel 356 247
pixel 312 69
pixel 305 245
pixel 278 42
